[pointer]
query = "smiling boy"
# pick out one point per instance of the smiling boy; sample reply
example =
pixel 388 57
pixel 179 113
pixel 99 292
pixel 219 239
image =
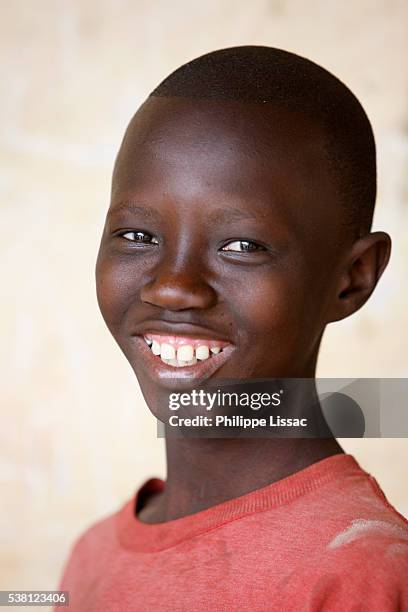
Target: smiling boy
pixel 239 227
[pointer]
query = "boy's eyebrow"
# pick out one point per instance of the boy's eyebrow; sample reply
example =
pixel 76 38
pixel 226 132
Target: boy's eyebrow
pixel 129 206
pixel 219 215
pixel 227 215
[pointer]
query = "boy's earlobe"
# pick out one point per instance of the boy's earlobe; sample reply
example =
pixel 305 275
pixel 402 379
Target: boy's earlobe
pixel 365 264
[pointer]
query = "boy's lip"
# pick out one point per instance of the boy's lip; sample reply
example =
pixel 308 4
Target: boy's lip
pixel 176 377
pixel 166 328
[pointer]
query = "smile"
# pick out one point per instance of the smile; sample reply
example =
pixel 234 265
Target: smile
pixel 180 351
pixel 175 358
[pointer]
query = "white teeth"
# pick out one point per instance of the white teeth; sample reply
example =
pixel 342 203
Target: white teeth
pixel 179 364
pixel 202 352
pixel 156 348
pixel 191 362
pixel 168 351
pixel 185 353
pixel 172 362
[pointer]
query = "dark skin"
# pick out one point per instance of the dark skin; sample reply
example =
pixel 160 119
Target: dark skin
pixel 201 175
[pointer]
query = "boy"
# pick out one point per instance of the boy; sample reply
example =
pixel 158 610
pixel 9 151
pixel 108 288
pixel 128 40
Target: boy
pixel 239 227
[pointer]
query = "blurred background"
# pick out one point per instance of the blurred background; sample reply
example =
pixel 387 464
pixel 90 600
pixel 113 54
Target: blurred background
pixel 76 438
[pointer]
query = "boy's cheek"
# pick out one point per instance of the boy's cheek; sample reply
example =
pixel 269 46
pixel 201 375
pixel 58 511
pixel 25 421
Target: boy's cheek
pixel 273 330
pixel 268 308
pixel 115 290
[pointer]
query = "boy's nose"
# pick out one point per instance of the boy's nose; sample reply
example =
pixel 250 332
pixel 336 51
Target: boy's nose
pixel 178 290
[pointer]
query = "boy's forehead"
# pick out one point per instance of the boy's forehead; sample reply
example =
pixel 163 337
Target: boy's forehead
pixel 171 128
pixel 191 148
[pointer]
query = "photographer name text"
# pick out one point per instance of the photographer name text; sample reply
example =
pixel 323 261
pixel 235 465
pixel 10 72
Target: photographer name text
pixel 235 421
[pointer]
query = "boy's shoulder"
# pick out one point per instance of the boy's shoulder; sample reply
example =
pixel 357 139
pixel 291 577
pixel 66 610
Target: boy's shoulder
pixel 363 561
pixel 92 549
pixel 341 508
pixel 353 547
pixel 364 567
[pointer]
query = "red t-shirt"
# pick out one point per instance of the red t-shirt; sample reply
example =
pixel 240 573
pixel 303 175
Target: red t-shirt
pixel 324 538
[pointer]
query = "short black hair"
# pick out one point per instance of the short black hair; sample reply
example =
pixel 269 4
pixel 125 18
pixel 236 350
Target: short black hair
pixel 269 75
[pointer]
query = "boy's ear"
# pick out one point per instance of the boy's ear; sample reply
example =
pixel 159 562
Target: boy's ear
pixel 362 269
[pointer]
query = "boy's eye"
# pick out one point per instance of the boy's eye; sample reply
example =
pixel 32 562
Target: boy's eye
pixel 140 237
pixel 243 246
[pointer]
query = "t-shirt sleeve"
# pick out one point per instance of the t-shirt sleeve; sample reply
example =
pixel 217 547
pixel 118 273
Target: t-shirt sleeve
pixel 87 558
pixel 360 576
pixel 364 585
pixel 71 576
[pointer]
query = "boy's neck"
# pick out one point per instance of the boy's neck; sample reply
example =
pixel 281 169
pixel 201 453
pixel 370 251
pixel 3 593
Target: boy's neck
pixel 204 472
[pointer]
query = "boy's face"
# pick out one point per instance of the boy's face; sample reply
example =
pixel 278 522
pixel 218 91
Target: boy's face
pixel 241 242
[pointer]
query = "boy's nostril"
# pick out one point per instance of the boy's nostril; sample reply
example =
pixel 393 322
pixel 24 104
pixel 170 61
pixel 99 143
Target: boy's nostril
pixel 178 293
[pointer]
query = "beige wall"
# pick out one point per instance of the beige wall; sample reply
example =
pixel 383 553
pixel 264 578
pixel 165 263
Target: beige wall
pixel 76 438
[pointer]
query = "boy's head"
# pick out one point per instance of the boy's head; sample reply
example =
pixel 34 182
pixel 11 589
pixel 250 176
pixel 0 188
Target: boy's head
pixel 242 202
